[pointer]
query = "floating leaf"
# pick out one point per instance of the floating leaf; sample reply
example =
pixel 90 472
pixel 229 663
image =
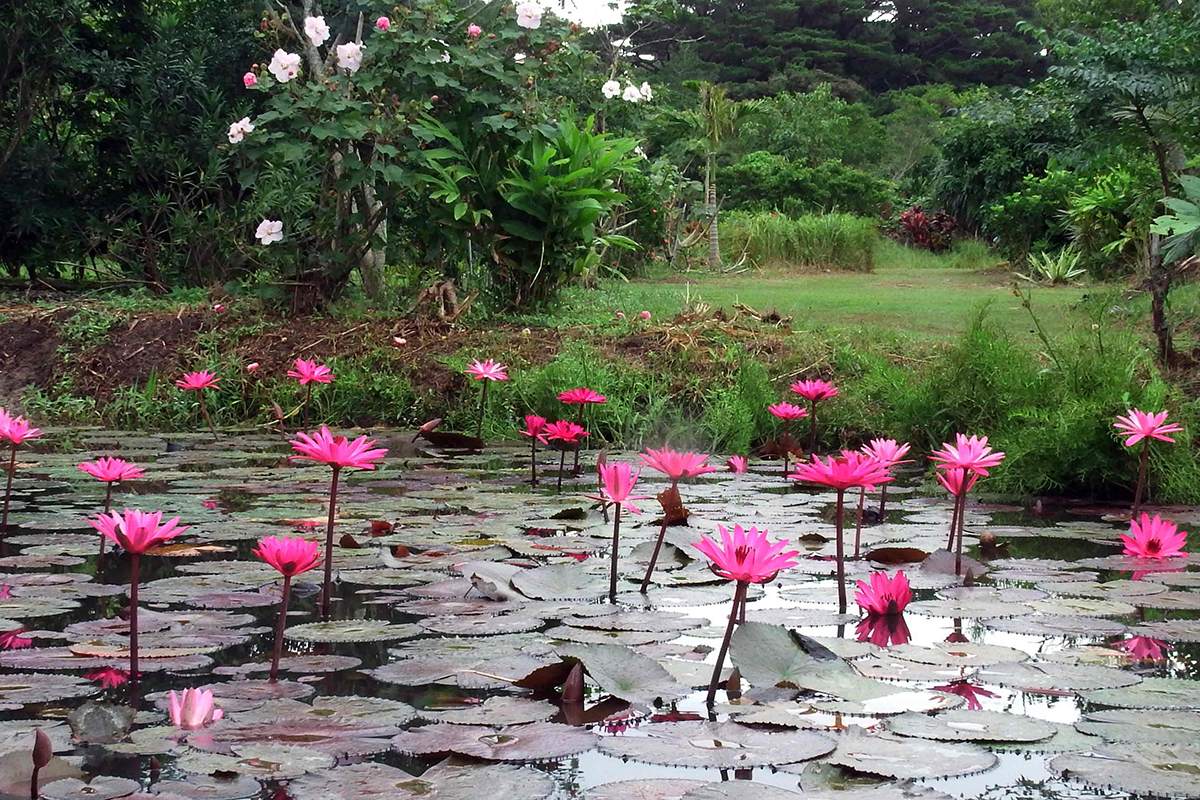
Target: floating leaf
pixel 495 711
pixel 741 790
pixel 644 789
pixel 101 787
pixel 724 745
pixel 209 787
pixel 263 761
pixel 1137 727
pixel 448 780
pixel 966 725
pixel 557 582
pixel 351 630
pixel 1165 693
pixel 897 757
pixel 951 654
pixel 1052 677
pixel 770 655
pixel 539 741
pixel 1165 770
pixel 626 674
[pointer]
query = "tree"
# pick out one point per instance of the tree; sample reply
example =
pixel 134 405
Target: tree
pixel 1137 80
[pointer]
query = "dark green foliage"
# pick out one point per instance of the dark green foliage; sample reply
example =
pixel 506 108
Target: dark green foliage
pixel 762 181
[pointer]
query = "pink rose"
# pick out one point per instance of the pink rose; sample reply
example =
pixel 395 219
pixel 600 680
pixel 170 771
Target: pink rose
pixel 474 31
pixel 249 79
pixel 383 23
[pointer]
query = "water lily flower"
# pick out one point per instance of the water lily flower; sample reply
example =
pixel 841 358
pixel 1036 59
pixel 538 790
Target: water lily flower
pixel 107 677
pixel 788 413
pixel 197 382
pixel 383 23
pixel 16 431
pixel 736 464
pixel 488 372
pixel 890 453
pixel 883 631
pixel 581 397
pixel 535 429
pixel 884 595
pixel 269 231
pixel 291 557
pixel 618 481
pixel 350 55
pixel 675 466
pixel 110 471
pixel 646 92
pixel 840 473
pixel 474 31
pixel 284 65
pixel 814 392
pixel 1144 648
pixel 746 557
pixel 339 453
pixel 967 454
pixel 193 709
pixel 529 15
pixel 316 30
pixel 12 640
pixel 136 532
pixel 308 373
pixel 239 129
pixel 967 690
pixel 249 79
pixel 569 433
pixel 1138 426
pixel 1154 537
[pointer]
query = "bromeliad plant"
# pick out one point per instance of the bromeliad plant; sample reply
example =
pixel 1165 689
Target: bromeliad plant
pixel 308 373
pixel 339 453
pixel 16 431
pixel 582 397
pixel 1138 426
pixel 745 557
pixel 291 557
pixel 675 466
pixel 847 471
pixel 618 480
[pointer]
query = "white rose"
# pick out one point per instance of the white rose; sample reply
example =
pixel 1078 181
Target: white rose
pixel 316 29
pixel 611 89
pixel 284 66
pixel 632 94
pixel 269 230
pixel 350 56
pixel 529 15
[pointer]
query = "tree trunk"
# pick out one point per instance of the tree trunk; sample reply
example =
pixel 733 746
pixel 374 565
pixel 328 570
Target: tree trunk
pixel 1160 273
pixel 714 244
pixel 371 266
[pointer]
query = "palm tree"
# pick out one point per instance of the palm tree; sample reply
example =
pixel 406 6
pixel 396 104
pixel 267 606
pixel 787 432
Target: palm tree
pixel 715 118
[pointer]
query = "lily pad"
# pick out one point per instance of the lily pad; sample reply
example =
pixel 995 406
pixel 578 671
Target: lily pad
pixel 1166 770
pixel 210 787
pixel 539 741
pixel 1135 726
pixel 741 790
pixel 101 787
pixel 770 655
pixel 351 630
pixel 263 761
pixel 495 711
pixel 626 674
pixel 1084 606
pixel 965 725
pixel 644 789
pixel 1164 693
pixel 558 582
pixel 448 780
pixel 1058 625
pixel 724 745
pixel 41 688
pixel 1052 677
pixel 476 625
pixel 899 757
pixel 958 654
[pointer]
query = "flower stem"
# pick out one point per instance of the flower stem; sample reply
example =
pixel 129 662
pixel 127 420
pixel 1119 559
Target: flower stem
pixel 204 411
pixel 841 554
pixel 333 487
pixel 962 509
pixel 12 468
pixel 279 626
pixel 612 573
pixel 786 436
pixel 307 400
pixel 1141 484
pixel 133 628
pixel 812 429
pixel 662 533
pixel 739 597
pixel 533 461
pixel 882 500
pixel 103 538
pixel 862 493
pixel 953 522
pixel 562 460
pixel 482 403
pixel 579 444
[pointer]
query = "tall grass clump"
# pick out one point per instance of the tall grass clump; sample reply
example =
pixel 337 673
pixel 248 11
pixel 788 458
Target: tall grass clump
pixel 837 241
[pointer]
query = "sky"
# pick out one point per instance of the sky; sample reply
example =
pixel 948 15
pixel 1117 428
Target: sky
pixel 586 12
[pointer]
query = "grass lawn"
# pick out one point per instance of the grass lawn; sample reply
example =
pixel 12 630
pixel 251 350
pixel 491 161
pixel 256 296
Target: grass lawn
pixel 926 296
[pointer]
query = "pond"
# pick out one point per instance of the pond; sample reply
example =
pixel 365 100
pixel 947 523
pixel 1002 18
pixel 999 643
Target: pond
pixel 463 598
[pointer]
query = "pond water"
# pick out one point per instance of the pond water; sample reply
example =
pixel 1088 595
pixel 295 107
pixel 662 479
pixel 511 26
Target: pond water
pixel 409 690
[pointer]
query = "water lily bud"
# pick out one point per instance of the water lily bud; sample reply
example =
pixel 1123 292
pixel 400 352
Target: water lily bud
pixel 42 748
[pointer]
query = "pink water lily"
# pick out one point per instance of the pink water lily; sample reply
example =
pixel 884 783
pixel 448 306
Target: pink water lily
pixel 110 471
pixel 736 464
pixel 883 630
pixel 1144 648
pixel 197 382
pixel 535 429
pixel 489 372
pixel 814 392
pixel 15 430
pixel 582 397
pixel 13 640
pixel 1154 537
pixel 193 709
pixel 618 481
pixel 788 413
pixel 675 466
pixel 968 454
pixel 291 557
pixel 745 556
pixel 568 433
pixel 888 452
pixel 967 690
pixel 339 453
pixel 849 470
pixel 884 595
pixel 308 373
pixel 1138 426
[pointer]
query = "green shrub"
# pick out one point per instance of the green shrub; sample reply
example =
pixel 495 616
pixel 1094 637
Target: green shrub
pixel 762 181
pixel 840 241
